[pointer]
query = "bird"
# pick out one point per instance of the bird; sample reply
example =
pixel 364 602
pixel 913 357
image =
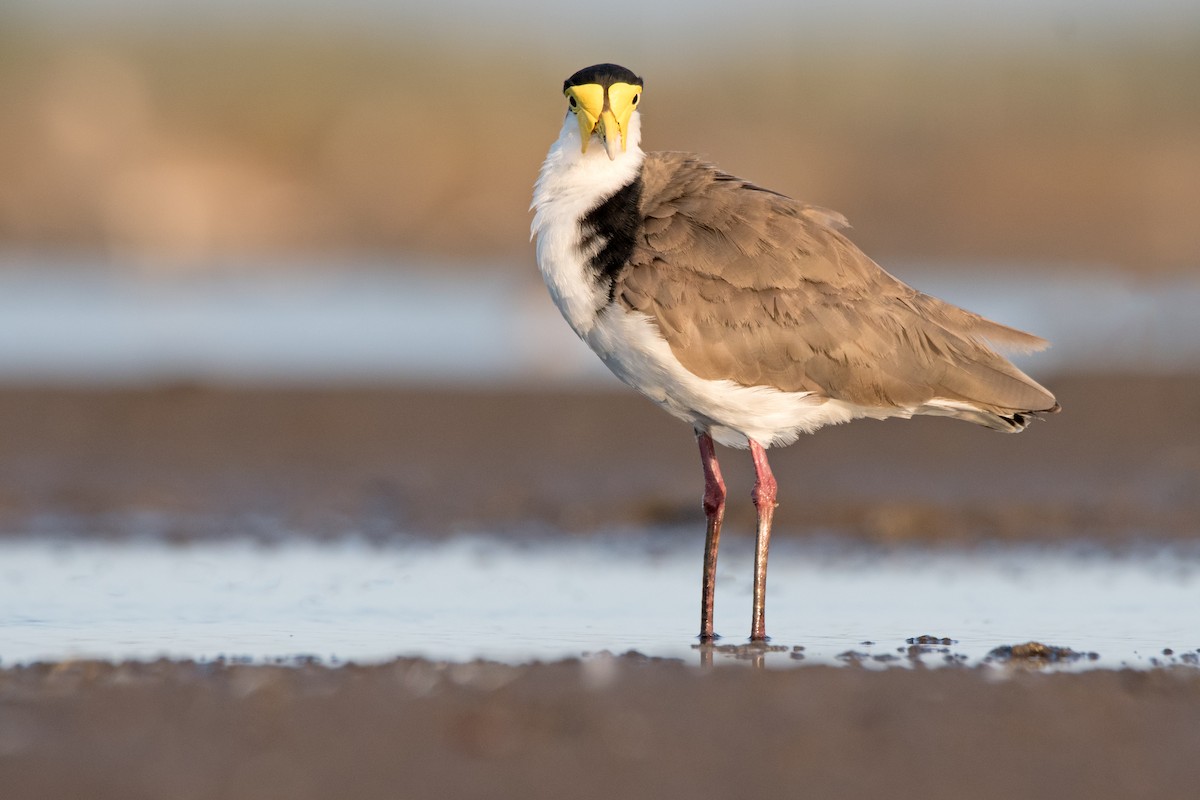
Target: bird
pixel 745 313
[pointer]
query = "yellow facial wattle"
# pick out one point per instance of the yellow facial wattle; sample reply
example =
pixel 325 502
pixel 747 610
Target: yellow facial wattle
pixel 605 111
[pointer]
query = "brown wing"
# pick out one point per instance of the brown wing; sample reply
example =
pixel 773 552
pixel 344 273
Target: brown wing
pixel 751 286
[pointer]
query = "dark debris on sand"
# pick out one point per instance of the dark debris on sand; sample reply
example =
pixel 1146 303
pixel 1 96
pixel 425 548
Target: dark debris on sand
pixel 1037 653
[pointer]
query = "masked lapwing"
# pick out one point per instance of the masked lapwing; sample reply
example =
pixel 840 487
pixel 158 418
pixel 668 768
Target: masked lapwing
pixel 747 314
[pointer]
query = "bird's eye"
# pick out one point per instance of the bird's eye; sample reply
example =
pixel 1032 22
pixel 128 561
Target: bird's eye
pixel 572 101
pixel 635 99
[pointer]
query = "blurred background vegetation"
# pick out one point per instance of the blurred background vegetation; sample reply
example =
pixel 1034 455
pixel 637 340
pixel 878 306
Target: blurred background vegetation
pixel 177 139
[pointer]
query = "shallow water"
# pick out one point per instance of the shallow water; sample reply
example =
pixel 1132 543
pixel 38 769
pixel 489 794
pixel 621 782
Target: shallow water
pixel 479 597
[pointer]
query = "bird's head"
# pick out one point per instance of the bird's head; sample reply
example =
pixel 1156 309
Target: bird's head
pixel 603 98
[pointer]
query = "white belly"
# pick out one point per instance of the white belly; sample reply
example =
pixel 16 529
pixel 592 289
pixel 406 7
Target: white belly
pixel 630 345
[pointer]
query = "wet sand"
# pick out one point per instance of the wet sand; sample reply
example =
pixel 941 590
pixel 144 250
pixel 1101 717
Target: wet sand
pixel 1120 465
pixel 610 728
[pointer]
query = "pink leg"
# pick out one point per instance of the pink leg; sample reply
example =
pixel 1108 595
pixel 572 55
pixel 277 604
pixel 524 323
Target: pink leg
pixel 714 511
pixel 764 494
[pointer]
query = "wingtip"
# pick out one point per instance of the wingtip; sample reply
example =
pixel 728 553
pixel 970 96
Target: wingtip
pixel 1023 419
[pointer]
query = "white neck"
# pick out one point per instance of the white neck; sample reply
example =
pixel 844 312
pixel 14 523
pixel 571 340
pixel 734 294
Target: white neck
pixel 571 183
pixel 568 172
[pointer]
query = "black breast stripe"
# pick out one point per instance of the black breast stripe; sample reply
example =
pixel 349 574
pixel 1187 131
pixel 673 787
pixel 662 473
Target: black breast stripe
pixel 613 228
